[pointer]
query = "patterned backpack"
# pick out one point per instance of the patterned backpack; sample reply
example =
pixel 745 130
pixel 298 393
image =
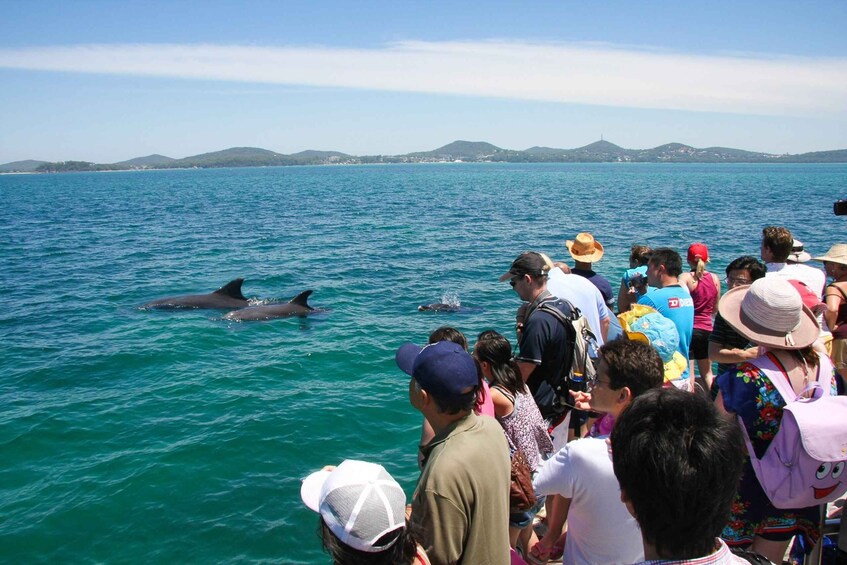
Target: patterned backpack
pixel 804 463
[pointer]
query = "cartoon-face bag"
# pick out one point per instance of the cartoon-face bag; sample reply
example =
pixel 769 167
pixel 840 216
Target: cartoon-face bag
pixel 804 463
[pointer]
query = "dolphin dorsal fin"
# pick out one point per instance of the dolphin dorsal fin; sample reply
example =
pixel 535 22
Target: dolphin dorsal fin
pixel 232 289
pixel 301 298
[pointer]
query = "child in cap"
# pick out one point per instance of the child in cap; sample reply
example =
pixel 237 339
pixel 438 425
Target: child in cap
pixel 363 515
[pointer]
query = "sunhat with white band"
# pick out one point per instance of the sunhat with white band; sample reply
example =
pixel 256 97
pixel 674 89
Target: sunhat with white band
pixel 770 312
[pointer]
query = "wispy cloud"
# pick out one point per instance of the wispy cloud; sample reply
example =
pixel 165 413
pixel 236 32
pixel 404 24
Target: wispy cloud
pixel 569 73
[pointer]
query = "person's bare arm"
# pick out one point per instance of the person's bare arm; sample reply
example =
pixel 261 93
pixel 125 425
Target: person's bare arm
pixel 557 515
pixel 721 354
pixel 624 298
pixel 832 299
pixel 526 369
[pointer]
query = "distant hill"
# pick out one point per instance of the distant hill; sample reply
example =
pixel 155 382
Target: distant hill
pixel 544 150
pixel 837 156
pixel 150 161
pixel 234 157
pixel 312 154
pixel 467 151
pixel 462 150
pixel 605 151
pixel 27 166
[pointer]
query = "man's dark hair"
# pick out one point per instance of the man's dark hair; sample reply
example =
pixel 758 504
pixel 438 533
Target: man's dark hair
pixel 678 462
pixel 756 268
pixel 669 258
pixel 779 240
pixel 446 333
pixel 632 364
pixel 462 403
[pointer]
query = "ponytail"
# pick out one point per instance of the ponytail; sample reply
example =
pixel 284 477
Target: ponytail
pixel 700 268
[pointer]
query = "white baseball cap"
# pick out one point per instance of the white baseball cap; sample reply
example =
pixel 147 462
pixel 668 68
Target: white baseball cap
pixel 359 502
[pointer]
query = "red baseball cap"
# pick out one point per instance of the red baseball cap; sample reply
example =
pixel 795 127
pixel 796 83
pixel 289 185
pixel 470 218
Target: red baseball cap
pixel 698 251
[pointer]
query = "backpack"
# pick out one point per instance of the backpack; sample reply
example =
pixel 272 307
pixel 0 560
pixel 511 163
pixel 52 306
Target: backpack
pixel 804 462
pixel 582 342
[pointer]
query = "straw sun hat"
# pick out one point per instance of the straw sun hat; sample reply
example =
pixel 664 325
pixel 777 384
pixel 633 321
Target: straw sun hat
pixel 770 312
pixel 836 254
pixel 585 248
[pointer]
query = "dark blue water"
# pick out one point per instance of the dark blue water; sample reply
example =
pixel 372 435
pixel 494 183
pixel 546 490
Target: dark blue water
pixel 142 436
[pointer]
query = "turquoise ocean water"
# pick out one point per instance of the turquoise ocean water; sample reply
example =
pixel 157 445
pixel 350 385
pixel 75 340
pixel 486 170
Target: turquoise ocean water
pixel 145 436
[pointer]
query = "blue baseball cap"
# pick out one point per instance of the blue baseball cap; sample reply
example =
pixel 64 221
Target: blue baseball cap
pixel 443 369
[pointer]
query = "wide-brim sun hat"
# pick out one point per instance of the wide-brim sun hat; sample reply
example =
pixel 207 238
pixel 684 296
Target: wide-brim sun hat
pixel 770 312
pixel 585 248
pixel 836 254
pixel 359 502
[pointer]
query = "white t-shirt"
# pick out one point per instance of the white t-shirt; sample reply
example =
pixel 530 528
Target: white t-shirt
pixel 582 293
pixel 814 278
pixel 600 528
pixel 810 276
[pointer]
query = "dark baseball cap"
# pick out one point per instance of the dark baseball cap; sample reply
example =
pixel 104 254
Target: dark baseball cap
pixel 443 369
pixel 528 263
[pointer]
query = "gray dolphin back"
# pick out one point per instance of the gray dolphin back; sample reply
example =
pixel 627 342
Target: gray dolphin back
pixel 232 289
pixel 301 299
pixel 227 297
pixel 297 306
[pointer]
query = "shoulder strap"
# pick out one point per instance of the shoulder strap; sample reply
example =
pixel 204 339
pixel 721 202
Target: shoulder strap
pixel 545 296
pixel 772 369
pixel 755 558
pixel 547 306
pixel 502 390
pixel 839 289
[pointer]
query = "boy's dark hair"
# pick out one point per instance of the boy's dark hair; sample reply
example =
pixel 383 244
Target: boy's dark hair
pixel 632 364
pixel 756 268
pixel 403 550
pixel 639 255
pixel 446 333
pixel 678 462
pixel 669 258
pixel 779 240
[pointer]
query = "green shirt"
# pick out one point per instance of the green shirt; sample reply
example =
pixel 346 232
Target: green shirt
pixel 461 504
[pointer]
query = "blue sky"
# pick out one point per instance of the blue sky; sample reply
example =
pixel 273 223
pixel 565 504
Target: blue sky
pixel 108 81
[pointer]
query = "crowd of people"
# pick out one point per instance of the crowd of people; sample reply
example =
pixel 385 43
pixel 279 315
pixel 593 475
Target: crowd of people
pixel 647 457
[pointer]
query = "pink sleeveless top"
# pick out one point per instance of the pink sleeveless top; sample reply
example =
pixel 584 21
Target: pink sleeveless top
pixel 705 298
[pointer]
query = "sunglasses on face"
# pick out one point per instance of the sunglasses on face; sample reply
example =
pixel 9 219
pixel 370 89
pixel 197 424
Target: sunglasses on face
pixel 736 280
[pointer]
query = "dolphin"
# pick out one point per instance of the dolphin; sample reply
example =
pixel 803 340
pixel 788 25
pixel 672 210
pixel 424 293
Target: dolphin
pixel 297 306
pixel 228 296
pixel 438 307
